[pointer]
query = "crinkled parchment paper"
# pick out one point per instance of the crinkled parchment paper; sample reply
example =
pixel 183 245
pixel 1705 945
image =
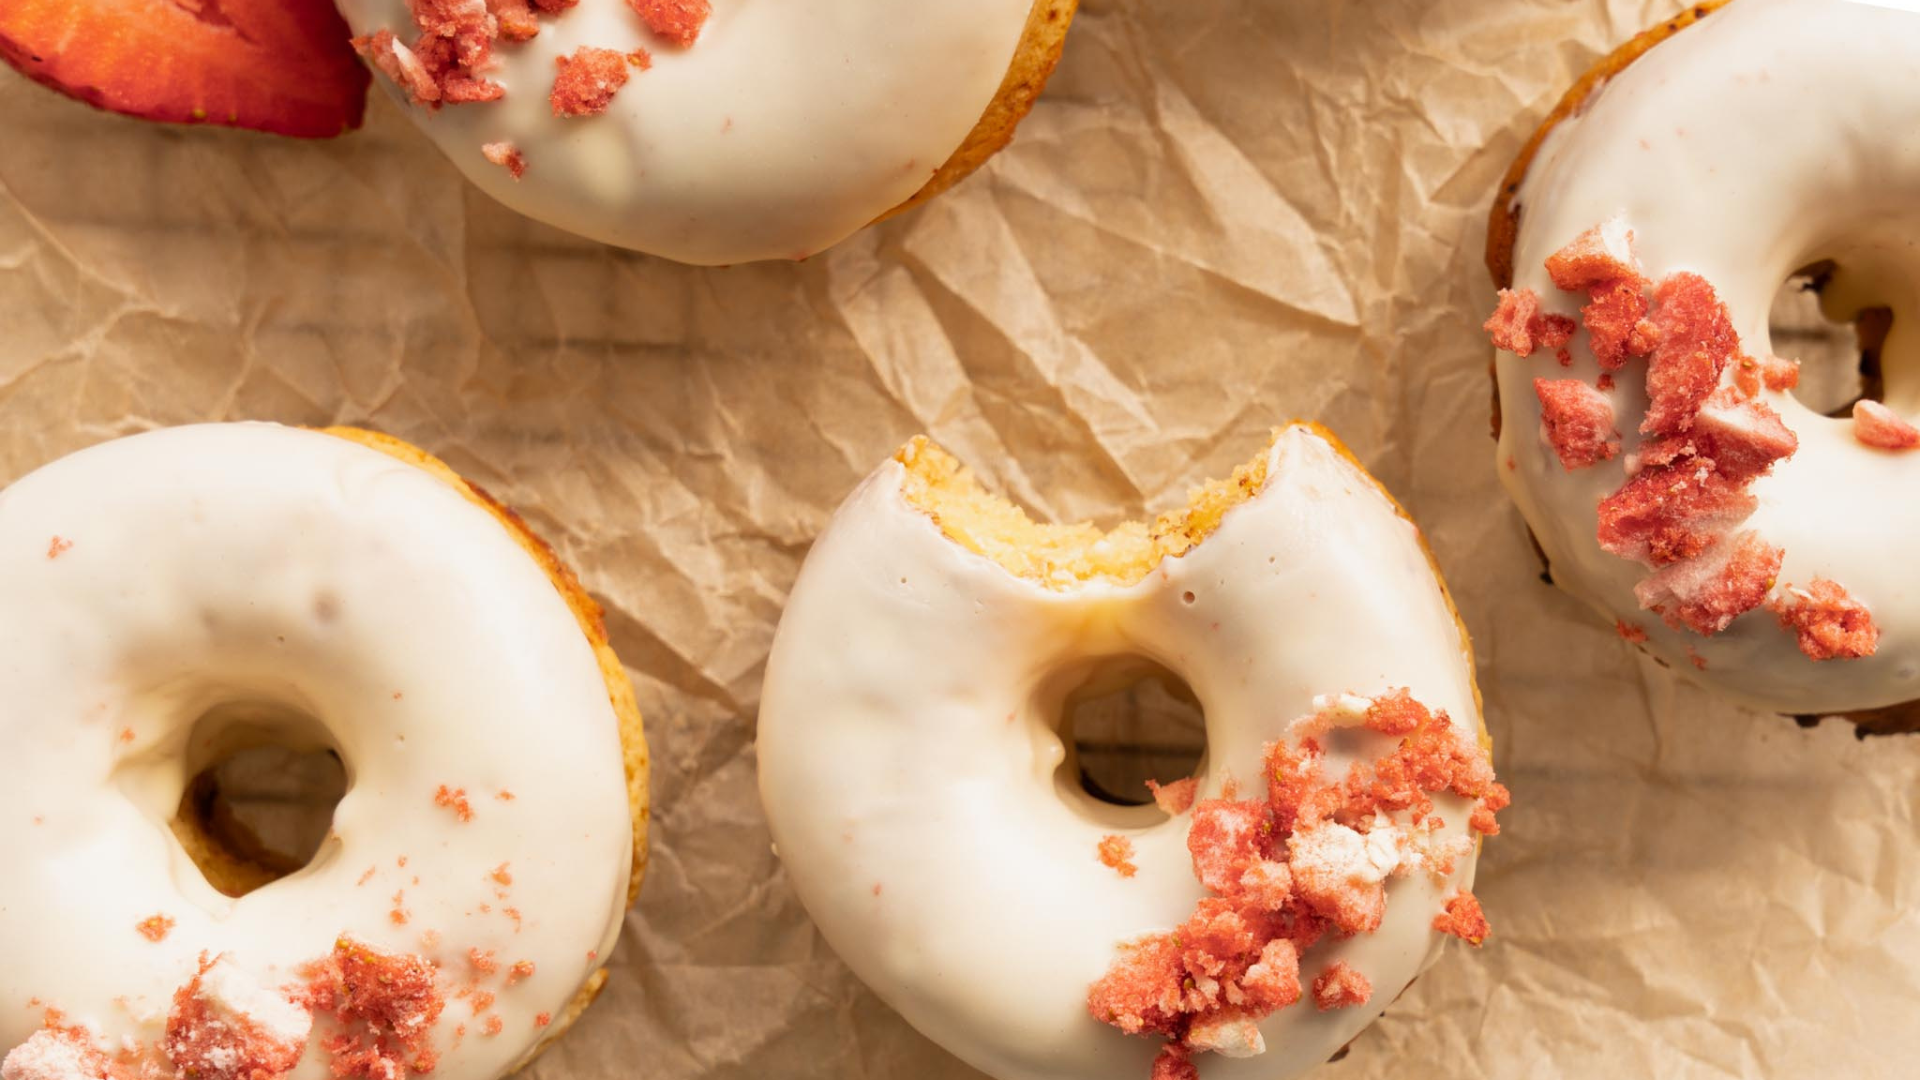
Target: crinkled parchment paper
pixel 1224 214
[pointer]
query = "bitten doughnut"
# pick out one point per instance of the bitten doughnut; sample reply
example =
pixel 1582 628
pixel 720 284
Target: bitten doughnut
pixel 170 598
pixel 713 133
pixel 1651 436
pixel 1256 915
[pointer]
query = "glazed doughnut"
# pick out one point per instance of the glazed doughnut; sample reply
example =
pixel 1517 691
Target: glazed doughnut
pixel 931 818
pixel 173 597
pixel 1651 437
pixel 748 131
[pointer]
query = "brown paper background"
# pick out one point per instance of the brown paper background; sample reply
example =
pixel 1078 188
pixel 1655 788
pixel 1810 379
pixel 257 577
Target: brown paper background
pixel 1225 213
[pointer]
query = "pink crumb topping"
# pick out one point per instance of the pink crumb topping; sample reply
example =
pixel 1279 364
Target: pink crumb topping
pixel 155 928
pixel 1671 512
pixel 678 21
pixel 58 546
pixel 1308 860
pixel 1600 256
pixel 587 81
pixel 1341 986
pixel 1518 326
pixel 1629 632
pixel 1175 798
pixel 506 155
pixel 1830 624
pixel 454 799
pixel 1577 421
pixel 224 1026
pixel 515 19
pixel 1695 344
pixel 1877 426
pixel 1116 852
pixel 1706 593
pixel 1463 919
pixel 385 1005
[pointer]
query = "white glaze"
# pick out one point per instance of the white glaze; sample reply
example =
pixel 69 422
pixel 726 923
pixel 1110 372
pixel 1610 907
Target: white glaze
pixel 250 562
pixel 1769 135
pixel 907 741
pixel 786 126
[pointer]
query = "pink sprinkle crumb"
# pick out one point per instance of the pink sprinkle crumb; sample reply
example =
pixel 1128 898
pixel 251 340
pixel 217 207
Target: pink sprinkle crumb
pixel 1672 512
pixel 384 1005
pixel 481 1002
pixel 1877 426
pixel 1830 624
pixel 1743 438
pixel 501 875
pixel 1176 798
pixel 399 913
pixel 1518 327
pixel 505 796
pixel 1694 658
pixel 454 799
pixel 1751 373
pixel 1696 342
pixel 58 547
pixel 493 1026
pixel 1629 632
pixel 1226 837
pixel 1174 1062
pixel 1463 919
pixel 61 1053
pixel 1397 714
pixel 156 928
pixel 368 876
pixel 543 1020
pixel 523 969
pixel 1116 852
pixel 223 1026
pixel 1577 421
pixel 515 18
pixel 641 59
pixel 507 155
pixel 1599 256
pixel 678 21
pixel 482 961
pixel 1341 986
pixel 1707 592
pixel 587 81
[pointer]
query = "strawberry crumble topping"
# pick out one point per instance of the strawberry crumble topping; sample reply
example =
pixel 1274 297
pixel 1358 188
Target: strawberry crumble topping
pixel 1308 860
pixel 155 928
pixel 58 546
pixel 385 1005
pixel 587 81
pixel 679 21
pixel 1463 919
pixel 1176 798
pixel 506 155
pixel 1116 852
pixel 454 799
pixel 1709 437
pixel 1578 421
pixel 1341 986
pixel 56 1053
pixel 1518 327
pixel 1877 426
pixel 1830 624
pixel 226 1026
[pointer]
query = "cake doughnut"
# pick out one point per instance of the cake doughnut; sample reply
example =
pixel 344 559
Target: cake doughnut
pixel 930 815
pixel 1651 436
pixel 172 598
pixel 713 133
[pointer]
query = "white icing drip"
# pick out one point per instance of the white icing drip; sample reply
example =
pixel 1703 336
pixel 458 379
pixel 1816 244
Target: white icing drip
pixel 250 561
pixel 1770 134
pixel 908 757
pixel 785 127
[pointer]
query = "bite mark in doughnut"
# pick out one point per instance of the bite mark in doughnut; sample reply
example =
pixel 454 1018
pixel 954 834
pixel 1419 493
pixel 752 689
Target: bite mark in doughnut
pixel 1116 852
pixel 1340 987
pixel 1830 624
pixel 587 81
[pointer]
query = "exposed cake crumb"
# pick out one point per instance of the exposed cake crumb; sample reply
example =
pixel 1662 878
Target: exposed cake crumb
pixel 506 155
pixel 678 21
pixel 226 1026
pixel 58 546
pixel 1341 986
pixel 1577 421
pixel 155 928
pixel 1830 624
pixel 1229 1033
pixel 587 81
pixel 1877 426
pixel 1176 798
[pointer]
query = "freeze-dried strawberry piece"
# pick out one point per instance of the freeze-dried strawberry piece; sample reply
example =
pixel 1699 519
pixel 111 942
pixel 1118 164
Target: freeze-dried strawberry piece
pixel 1706 593
pixel 1140 991
pixel 1174 1062
pixel 1617 323
pixel 1669 513
pixel 1116 852
pixel 282 66
pixel 1744 438
pixel 385 1004
pixel 1341 986
pixel 1340 873
pixel 1877 426
pixel 1830 624
pixel 1273 981
pixel 226 1026
pixel 1518 327
pixel 1695 343
pixel 57 1053
pixel 1599 256
pixel 1463 919
pixel 679 21
pixel 1577 421
pixel 1175 798
pixel 515 19
pixel 1226 837
pixel 1751 374
pixel 587 81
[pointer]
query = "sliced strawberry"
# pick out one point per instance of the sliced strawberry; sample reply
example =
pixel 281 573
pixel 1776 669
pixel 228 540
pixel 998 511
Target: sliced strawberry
pixel 271 65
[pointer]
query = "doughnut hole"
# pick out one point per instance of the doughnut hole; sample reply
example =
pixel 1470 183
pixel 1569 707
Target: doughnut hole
pixel 263 783
pixel 1125 721
pixel 1839 345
